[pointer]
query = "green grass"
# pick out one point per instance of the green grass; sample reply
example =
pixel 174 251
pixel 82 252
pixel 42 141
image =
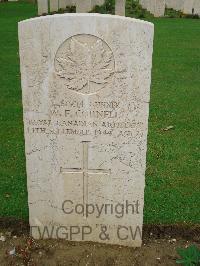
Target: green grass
pixel 172 176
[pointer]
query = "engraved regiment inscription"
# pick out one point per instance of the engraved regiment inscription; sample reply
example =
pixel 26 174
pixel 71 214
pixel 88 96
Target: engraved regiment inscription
pixel 85 63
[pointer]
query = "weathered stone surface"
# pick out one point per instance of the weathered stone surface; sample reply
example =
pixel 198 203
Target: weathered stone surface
pixel 42 7
pixel 145 4
pixel 158 8
pixel 188 7
pixel 86 88
pixel 70 2
pixel 142 3
pixel 53 5
pixel 197 7
pixel 191 7
pixel 64 3
pixel 155 7
pixel 84 6
pixel 175 4
pixel 120 7
pixel 98 2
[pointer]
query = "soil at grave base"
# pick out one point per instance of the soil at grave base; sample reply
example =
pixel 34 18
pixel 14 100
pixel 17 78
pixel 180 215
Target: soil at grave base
pixel 159 248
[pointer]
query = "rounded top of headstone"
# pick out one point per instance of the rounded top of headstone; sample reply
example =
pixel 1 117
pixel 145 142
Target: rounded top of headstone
pixel 86 15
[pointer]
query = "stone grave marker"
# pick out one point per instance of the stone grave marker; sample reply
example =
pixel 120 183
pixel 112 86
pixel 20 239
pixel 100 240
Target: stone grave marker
pixel 192 7
pixel 197 7
pixel 69 2
pixel 42 7
pixel 147 4
pixel 98 2
pixel 120 7
pixel 84 6
pixel 142 3
pixel 188 6
pixel 170 4
pixel 175 4
pixel 86 89
pixel 53 5
pixel 63 4
pixel 157 8
pixel 179 5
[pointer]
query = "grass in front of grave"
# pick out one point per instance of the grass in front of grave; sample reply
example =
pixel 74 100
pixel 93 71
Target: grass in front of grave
pixel 172 183
pixel 172 176
pixel 13 192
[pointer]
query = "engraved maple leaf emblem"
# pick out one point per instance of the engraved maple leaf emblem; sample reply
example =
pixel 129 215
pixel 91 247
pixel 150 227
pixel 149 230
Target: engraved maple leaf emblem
pixel 84 65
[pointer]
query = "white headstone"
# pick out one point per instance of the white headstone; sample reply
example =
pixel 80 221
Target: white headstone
pixel 175 4
pixel 170 3
pixel 42 7
pixel 146 4
pixel 69 2
pixel 53 5
pixel 84 6
pixel 142 3
pixel 120 7
pixel 197 7
pixel 73 2
pixel 158 8
pixel 98 2
pixel 155 7
pixel 179 5
pixel 95 3
pixel 64 3
pixel 188 7
pixel 86 87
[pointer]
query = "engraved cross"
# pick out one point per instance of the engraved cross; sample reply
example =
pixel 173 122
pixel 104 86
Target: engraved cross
pixel 85 171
